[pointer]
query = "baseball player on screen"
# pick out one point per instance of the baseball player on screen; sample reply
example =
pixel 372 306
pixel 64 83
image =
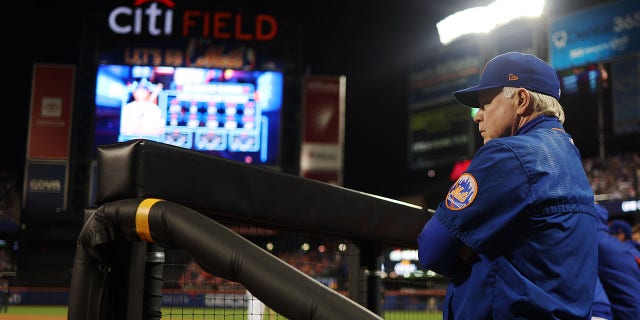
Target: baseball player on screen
pixel 516 231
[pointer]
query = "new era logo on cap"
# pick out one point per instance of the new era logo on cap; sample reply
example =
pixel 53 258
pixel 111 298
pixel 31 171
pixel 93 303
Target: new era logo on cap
pixel 513 69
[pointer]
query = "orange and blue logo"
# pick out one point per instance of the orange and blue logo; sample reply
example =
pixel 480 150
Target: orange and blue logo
pixel 462 193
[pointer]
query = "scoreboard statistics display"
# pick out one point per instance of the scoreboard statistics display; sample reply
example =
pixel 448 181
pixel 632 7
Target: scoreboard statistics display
pixel 235 114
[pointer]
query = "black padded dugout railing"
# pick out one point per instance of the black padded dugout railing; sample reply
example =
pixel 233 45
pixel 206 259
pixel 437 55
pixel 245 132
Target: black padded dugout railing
pixel 217 249
pixel 227 190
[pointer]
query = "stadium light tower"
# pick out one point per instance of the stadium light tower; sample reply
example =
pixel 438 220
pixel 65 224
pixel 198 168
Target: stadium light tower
pixel 485 19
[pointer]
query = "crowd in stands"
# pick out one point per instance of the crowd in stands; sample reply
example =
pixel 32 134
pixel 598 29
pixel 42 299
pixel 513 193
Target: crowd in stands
pixel 9 219
pixel 615 177
pixel 322 267
pixel 9 201
pixel 195 278
pixel 7 263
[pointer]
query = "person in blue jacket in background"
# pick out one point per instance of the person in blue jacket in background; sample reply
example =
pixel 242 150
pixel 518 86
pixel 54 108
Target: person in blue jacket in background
pixel 618 271
pixel 515 232
pixel 623 231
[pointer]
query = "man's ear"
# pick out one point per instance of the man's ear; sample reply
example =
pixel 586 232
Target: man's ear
pixel 523 100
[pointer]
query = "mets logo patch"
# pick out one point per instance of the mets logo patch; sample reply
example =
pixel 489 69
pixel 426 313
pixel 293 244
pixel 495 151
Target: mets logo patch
pixel 462 193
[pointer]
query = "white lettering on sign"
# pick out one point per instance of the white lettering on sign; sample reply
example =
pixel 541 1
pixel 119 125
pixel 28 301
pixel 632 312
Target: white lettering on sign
pixel 45 185
pixel 125 20
pixel 630 206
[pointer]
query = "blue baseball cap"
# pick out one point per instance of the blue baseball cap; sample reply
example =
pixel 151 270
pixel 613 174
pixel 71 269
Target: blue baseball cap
pixel 513 69
pixel 617 226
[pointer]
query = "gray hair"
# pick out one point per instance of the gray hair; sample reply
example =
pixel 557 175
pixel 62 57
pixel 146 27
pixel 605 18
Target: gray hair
pixel 542 103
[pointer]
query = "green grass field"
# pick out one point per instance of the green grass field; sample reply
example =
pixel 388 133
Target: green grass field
pixel 60 312
pixel 239 314
pixel 37 310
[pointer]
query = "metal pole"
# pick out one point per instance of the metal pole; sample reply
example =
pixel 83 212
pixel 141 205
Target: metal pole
pixel 372 259
pixel 600 83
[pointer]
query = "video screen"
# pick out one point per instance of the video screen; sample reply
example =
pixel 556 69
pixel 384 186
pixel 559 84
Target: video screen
pixel 235 114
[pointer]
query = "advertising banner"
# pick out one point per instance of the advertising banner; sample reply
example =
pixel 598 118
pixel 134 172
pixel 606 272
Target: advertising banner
pixel 625 75
pixel 192 33
pixel 594 35
pixel 50 114
pixel 439 125
pixel 323 128
pixel 45 186
pixel 433 77
pixel 621 208
pixel 438 135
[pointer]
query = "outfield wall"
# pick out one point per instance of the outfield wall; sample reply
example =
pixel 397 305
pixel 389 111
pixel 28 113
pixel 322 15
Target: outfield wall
pixel 393 300
pixel 39 296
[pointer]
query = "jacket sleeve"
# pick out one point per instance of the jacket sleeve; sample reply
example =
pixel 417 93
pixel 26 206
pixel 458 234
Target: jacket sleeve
pixel 441 252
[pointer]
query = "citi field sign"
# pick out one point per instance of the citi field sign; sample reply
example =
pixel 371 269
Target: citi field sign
pixel 161 18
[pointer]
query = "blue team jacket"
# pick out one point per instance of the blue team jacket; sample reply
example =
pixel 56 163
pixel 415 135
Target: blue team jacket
pixel 526 208
pixel 618 271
